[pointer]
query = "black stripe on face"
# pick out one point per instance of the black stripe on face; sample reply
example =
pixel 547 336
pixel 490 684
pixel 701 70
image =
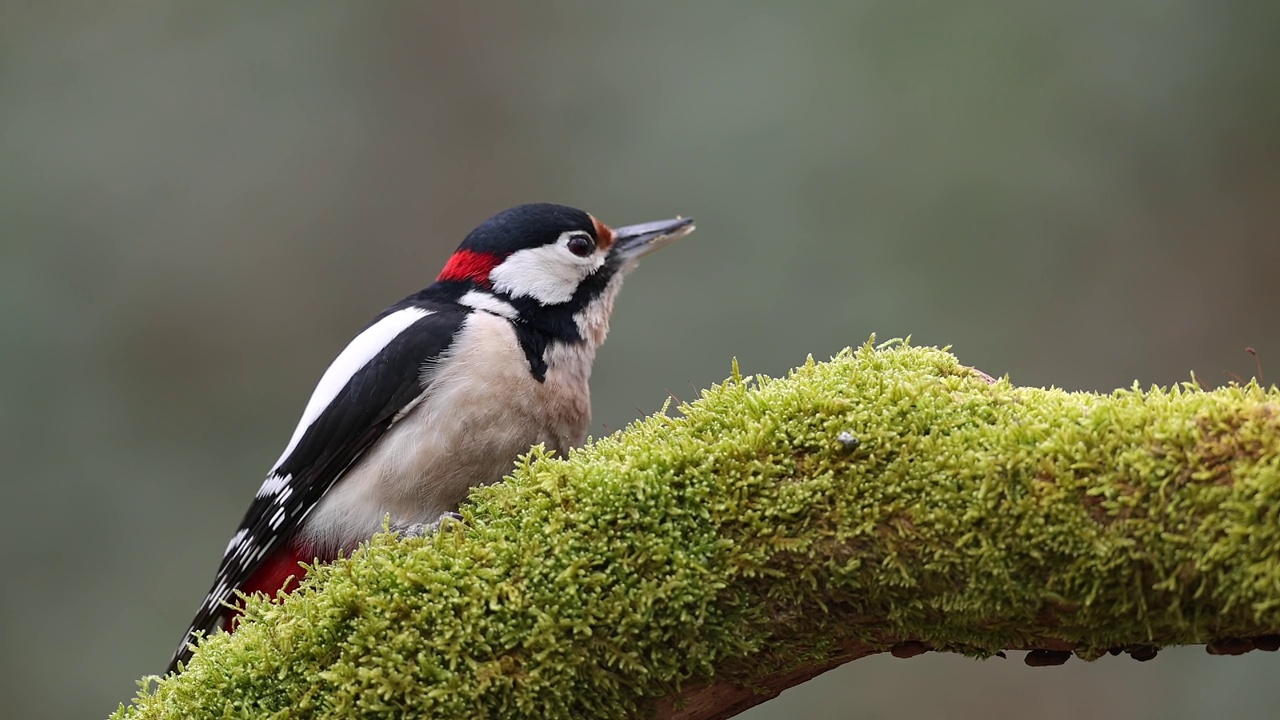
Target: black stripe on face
pixel 558 322
pixel 534 344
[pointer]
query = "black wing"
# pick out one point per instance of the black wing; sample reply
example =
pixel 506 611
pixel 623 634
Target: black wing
pixel 374 396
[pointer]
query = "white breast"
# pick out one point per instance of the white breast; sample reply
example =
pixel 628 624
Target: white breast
pixel 481 410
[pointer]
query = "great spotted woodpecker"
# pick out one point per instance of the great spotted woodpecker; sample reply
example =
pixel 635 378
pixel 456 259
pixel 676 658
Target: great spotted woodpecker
pixel 441 392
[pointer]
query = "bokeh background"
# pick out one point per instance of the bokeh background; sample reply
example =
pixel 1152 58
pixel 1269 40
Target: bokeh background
pixel 201 202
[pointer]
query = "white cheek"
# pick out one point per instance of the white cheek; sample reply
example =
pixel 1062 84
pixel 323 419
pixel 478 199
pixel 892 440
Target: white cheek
pixel 549 274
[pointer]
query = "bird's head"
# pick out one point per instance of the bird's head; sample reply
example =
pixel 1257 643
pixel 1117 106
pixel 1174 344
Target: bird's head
pixel 552 266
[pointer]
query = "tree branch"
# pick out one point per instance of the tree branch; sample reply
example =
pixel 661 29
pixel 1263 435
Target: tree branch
pixel 691 567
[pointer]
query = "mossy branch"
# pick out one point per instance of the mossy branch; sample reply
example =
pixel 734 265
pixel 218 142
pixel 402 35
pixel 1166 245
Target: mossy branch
pixel 692 566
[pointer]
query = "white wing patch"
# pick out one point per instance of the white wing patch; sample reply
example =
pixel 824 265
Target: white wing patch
pixel 549 274
pixel 354 356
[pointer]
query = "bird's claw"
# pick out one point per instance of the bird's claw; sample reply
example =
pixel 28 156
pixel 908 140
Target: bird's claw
pixel 418 530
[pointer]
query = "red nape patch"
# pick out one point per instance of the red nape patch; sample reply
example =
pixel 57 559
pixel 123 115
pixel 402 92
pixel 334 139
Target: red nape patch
pixel 467 265
pixel 280 571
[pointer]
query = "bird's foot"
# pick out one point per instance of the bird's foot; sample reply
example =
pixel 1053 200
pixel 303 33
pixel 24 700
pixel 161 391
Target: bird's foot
pixel 418 530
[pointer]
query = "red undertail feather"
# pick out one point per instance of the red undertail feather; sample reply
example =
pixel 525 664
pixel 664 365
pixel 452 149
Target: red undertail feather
pixel 467 265
pixel 280 571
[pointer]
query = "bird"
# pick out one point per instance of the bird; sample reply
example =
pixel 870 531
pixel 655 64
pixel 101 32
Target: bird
pixel 439 393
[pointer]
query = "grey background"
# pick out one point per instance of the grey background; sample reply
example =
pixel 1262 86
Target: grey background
pixel 202 202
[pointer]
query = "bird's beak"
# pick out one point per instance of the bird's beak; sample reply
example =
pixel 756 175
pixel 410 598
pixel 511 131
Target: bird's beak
pixel 635 241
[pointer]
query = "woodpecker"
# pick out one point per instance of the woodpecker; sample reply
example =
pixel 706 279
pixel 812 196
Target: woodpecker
pixel 439 393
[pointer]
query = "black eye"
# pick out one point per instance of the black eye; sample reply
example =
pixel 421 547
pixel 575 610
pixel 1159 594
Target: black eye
pixel 581 245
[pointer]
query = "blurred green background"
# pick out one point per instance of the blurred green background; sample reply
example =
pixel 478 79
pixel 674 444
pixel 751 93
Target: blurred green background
pixel 201 204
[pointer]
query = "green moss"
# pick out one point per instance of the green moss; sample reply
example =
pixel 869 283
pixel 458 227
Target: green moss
pixel 744 535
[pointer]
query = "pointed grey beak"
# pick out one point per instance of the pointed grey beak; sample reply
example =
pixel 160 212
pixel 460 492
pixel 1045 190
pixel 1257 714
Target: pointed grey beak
pixel 635 241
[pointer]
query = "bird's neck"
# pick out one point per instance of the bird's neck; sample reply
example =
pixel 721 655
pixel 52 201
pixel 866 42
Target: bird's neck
pixel 562 341
pixel 582 325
